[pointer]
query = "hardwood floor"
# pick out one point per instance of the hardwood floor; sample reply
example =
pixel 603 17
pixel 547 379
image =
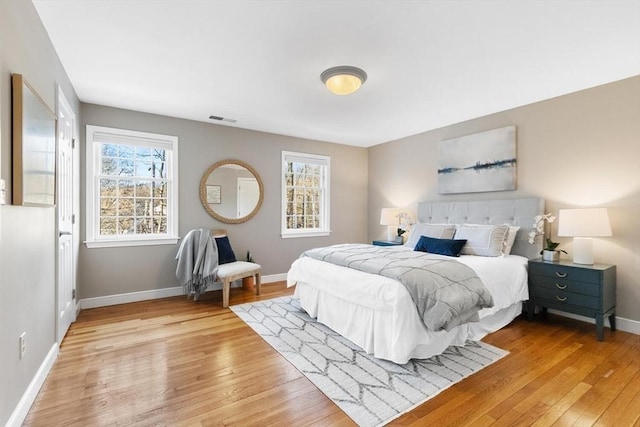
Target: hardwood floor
pixel 178 362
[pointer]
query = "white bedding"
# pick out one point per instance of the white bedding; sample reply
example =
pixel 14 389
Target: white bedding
pixel 377 312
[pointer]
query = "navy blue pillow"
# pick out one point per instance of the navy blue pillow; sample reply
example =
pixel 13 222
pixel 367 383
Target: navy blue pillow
pixel 225 253
pixel 449 247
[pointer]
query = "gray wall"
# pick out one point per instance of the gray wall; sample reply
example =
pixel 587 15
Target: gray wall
pixel 577 150
pixel 108 271
pixel 27 234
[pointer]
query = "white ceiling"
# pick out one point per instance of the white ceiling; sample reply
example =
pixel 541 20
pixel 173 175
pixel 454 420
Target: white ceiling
pixel 430 63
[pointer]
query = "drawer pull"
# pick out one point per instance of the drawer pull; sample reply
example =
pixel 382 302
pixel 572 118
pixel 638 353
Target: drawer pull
pixel 559 286
pixel 561 299
pixel 561 274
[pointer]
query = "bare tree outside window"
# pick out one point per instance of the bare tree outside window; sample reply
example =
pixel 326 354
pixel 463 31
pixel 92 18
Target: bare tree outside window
pixel 133 190
pixel 305 189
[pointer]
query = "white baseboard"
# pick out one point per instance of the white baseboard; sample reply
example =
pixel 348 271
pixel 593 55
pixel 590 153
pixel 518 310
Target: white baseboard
pixel 130 297
pixel 622 324
pixel 158 293
pixel 273 278
pixel 29 396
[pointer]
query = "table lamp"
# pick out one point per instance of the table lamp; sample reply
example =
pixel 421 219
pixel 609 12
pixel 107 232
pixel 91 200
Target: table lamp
pixel 389 217
pixel 582 225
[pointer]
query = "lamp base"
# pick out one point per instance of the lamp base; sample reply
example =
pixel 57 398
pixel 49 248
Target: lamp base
pixel 392 232
pixel 582 250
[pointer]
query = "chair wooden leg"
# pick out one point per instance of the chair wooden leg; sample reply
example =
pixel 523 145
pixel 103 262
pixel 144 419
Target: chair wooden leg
pixel 226 285
pixel 258 283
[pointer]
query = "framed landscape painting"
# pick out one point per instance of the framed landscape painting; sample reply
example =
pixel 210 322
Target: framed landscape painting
pixel 483 161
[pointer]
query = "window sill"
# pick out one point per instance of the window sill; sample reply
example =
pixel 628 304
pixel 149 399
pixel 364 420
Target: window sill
pixel 125 243
pixel 290 235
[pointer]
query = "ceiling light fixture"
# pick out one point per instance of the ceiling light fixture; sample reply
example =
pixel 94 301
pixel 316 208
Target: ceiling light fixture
pixel 343 80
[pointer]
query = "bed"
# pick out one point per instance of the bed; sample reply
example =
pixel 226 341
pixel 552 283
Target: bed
pixel 377 313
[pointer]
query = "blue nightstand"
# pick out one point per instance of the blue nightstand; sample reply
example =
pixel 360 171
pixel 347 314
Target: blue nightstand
pixel 385 243
pixel 588 290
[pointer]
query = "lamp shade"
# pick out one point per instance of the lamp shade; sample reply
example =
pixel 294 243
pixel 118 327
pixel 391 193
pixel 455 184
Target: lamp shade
pixel 388 216
pixel 592 222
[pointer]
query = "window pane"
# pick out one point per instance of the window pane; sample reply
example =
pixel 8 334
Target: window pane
pixel 313 180
pixel 143 169
pixel 125 207
pixel 107 187
pixel 126 151
pixel 125 188
pixel 158 168
pixel 143 189
pixel 107 226
pixel 109 150
pixel 125 225
pixel 143 152
pixel 309 222
pixel 298 167
pixel 125 167
pixel 160 207
pixel 144 226
pixel 143 207
pixel 159 189
pixel 108 206
pixel 109 166
pixel 160 225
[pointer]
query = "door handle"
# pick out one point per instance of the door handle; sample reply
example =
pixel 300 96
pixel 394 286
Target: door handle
pixel 64 233
pixel 561 274
pixel 559 286
pixel 561 299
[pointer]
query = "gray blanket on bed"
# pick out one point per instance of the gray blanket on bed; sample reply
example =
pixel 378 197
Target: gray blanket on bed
pixel 446 292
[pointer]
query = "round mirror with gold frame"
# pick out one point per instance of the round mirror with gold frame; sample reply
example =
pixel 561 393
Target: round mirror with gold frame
pixel 231 191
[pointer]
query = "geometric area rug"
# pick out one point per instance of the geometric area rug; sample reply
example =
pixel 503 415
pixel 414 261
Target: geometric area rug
pixel 369 390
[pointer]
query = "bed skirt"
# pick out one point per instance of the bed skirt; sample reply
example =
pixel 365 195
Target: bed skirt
pixel 387 336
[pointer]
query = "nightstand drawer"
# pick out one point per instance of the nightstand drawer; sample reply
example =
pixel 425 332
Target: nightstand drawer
pixel 563 272
pixel 561 297
pixel 565 285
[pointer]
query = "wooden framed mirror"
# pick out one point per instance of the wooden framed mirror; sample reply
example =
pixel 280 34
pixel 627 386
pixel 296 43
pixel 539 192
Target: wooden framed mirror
pixel 231 191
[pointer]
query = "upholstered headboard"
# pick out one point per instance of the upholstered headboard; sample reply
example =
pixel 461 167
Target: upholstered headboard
pixel 504 211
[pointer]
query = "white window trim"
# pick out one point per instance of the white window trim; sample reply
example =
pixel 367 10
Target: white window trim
pixel 93 239
pixel 326 229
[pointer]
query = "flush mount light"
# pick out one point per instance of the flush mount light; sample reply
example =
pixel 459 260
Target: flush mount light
pixel 343 80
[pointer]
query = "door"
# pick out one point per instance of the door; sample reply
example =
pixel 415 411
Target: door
pixel 66 304
pixel 248 196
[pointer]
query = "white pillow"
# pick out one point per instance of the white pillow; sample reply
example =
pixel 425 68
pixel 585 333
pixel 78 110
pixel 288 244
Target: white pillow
pixel 436 231
pixel 511 237
pixel 482 240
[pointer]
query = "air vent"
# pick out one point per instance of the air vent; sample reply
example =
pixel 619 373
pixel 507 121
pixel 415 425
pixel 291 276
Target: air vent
pixel 222 119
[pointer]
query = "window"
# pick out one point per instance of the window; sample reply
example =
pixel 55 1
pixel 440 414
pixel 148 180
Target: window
pixel 305 195
pixel 132 181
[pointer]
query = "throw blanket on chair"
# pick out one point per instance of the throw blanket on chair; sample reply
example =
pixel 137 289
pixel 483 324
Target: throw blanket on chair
pixel 197 262
pixel 446 292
